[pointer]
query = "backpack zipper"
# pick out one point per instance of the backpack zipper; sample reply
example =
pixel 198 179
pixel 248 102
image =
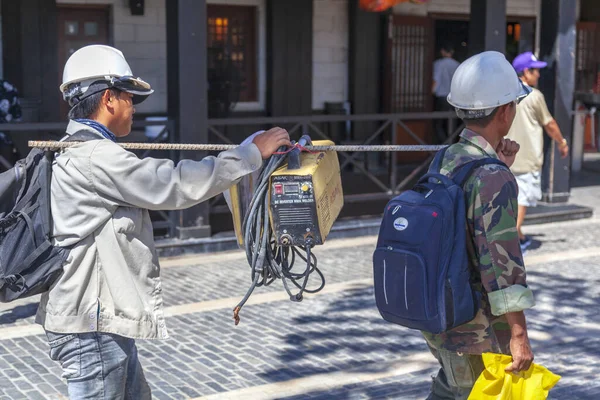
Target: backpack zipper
pixel 405 273
pixel 384 286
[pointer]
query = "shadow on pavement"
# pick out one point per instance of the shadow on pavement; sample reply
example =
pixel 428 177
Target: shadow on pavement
pixel 567 313
pixel 386 389
pixel 18 313
pixel 345 340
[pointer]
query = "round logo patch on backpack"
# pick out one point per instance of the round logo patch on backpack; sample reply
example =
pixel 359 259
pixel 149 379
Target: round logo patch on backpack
pixel 400 224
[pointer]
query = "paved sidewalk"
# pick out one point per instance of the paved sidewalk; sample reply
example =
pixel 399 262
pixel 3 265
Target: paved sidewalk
pixel 333 345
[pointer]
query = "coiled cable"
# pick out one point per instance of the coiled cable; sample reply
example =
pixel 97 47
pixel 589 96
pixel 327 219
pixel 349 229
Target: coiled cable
pixel 267 259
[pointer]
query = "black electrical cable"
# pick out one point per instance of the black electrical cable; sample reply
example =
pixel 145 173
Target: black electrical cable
pixel 268 261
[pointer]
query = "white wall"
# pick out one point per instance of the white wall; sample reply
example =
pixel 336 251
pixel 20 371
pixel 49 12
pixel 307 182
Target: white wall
pixel 143 40
pixel 521 8
pixel 330 52
pixel 513 7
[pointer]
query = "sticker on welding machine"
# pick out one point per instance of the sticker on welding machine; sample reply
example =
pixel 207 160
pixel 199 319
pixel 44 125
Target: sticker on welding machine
pixel 400 224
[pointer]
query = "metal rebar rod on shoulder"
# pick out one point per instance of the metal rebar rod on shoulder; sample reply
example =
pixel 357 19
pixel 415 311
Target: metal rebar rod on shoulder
pixel 53 145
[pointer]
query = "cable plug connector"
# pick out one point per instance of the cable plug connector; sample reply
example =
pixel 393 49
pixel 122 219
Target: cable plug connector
pixel 309 242
pixel 236 315
pixel 296 298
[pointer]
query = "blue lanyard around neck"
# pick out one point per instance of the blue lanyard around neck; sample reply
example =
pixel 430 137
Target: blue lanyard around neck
pixel 99 127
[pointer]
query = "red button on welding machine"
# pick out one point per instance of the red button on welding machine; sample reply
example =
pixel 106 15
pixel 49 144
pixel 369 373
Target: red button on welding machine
pixel 278 188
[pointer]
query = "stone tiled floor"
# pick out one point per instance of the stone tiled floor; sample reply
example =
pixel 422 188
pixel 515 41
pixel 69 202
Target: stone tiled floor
pixel 333 333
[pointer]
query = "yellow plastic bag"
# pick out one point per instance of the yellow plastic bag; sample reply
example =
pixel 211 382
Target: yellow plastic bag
pixel 496 384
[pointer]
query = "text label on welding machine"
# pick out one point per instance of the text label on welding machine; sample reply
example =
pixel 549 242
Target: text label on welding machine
pixel 293 201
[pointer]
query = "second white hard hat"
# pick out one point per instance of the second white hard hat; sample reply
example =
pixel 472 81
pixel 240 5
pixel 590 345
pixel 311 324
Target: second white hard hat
pixel 94 68
pixel 482 83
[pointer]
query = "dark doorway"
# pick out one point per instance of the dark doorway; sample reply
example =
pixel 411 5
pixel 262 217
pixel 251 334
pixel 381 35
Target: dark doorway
pixel 456 33
pixel 79 27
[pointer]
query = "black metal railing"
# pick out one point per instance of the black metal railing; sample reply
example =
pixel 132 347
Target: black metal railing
pixel 384 131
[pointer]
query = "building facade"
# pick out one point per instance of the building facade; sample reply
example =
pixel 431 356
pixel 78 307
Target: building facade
pixel 274 59
pixel 143 39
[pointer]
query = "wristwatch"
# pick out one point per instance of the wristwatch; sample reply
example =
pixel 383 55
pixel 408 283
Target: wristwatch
pixel 563 143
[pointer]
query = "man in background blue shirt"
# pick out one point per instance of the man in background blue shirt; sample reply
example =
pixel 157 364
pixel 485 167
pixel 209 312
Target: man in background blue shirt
pixel 443 71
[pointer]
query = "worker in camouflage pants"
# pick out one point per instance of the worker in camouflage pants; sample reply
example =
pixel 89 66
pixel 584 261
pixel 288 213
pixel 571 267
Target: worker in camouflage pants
pixel 485 91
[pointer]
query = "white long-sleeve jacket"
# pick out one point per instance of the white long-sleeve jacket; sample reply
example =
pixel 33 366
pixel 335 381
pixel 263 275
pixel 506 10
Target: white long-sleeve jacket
pixel 100 197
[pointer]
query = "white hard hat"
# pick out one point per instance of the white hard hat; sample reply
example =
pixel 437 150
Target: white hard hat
pixel 482 83
pixel 95 68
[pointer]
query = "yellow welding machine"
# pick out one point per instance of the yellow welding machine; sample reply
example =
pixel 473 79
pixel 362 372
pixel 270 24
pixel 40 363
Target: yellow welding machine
pixel 304 202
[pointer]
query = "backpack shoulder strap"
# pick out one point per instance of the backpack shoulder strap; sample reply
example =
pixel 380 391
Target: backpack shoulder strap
pixel 436 164
pixel 465 171
pixel 83 135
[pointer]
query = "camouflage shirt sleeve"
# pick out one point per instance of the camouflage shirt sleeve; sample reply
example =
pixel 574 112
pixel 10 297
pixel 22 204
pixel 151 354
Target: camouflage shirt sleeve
pixel 497 242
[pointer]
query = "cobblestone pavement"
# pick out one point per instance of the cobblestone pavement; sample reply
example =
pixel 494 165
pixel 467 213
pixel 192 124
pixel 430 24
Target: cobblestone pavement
pixel 333 345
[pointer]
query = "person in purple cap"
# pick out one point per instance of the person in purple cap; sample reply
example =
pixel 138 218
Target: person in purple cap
pixel 532 119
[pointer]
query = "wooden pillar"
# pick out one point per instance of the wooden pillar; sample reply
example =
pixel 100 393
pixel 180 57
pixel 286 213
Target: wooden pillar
pixel 365 65
pixel 30 54
pixel 187 93
pixel 487 26
pixel 557 82
pixel 289 57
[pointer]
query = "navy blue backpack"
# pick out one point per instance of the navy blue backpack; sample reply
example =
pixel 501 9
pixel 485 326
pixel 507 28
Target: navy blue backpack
pixel 420 265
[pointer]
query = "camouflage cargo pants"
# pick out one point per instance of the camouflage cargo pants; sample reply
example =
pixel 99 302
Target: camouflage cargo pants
pixel 456 377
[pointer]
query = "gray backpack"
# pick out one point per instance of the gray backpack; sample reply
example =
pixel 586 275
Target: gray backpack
pixel 29 263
